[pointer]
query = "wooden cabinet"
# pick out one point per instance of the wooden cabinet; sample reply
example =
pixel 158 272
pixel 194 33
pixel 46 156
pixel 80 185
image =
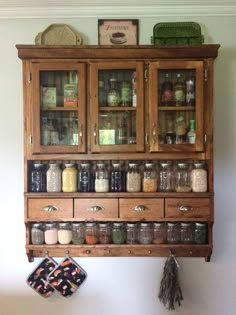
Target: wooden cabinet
pixel 92 103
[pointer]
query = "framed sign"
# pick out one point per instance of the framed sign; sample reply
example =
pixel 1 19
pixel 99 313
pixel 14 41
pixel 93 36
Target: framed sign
pixel 118 32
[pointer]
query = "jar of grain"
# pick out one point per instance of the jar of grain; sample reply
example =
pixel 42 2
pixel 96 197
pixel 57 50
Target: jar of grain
pixel 183 178
pixel 101 178
pixel 133 178
pixel 199 177
pixel 149 178
pixel 51 233
pixel 91 233
pixel 104 233
pixel 64 233
pixel 37 233
pixel 159 233
pixel 117 178
pixel 54 175
pixel 69 178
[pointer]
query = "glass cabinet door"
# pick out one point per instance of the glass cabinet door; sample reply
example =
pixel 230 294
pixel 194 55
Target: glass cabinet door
pixel 58 108
pixel 176 106
pixel 116 107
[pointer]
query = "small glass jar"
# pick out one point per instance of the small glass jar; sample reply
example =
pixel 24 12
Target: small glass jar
pixel 64 233
pixel 101 178
pixel 118 233
pixel 54 175
pixel 166 177
pixel 200 233
pixel 145 233
pixel 69 178
pixel 131 233
pixel 104 233
pixel 117 178
pixel 133 178
pixel 159 233
pixel 91 233
pixel 38 178
pixel 173 232
pixel 84 178
pixel 149 178
pixel 78 233
pixel 199 178
pixel 51 233
pixel 183 178
pixel 186 232
pixel 113 95
pixel 37 233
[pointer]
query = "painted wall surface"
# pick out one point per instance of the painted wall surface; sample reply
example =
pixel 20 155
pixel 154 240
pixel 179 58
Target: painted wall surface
pixel 118 286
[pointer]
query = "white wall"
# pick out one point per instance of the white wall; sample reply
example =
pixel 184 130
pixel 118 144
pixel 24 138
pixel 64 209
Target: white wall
pixel 118 286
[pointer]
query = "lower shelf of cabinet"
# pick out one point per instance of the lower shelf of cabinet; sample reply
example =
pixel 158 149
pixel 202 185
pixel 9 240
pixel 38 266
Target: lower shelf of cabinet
pixel 111 250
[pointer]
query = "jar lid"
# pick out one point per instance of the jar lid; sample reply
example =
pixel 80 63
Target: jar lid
pixel 104 224
pixel 144 224
pixel 131 224
pixel 118 224
pixel 202 225
pixel 50 224
pixel 37 224
pixel 149 164
pixel 112 79
pixel 91 224
pixel 158 224
pixel 69 164
pixel 64 224
pixel 182 164
pixel 172 223
pixel 77 224
pixel 199 164
pixel 186 224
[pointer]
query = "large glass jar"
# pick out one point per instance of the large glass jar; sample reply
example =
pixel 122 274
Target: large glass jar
pixel 51 233
pixel 113 95
pixel 159 233
pixel 101 178
pixel 149 178
pixel 186 232
pixel 133 178
pixel 78 233
pixel 117 178
pixel 37 233
pixel 199 177
pixel 173 232
pixel 84 178
pixel 64 233
pixel 38 178
pixel 183 178
pixel 200 233
pixel 166 177
pixel 69 178
pixel 104 233
pixel 145 233
pixel 54 175
pixel 118 233
pixel 91 233
pixel 131 233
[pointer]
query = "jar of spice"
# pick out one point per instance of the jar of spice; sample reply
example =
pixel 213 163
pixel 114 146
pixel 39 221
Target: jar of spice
pixel 117 178
pixel 51 233
pixel 183 178
pixel 69 178
pixel 133 178
pixel 64 233
pixel 159 233
pixel 84 178
pixel 101 178
pixel 200 233
pixel 37 233
pixel 104 233
pixel 199 177
pixel 78 233
pixel 149 178
pixel 131 233
pixel 186 232
pixel 38 178
pixel 166 177
pixel 91 233
pixel 118 233
pixel 173 232
pixel 126 93
pixel 113 95
pixel 145 233
pixel 53 176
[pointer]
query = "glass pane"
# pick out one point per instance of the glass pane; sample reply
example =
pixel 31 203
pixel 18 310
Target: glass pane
pixel 176 117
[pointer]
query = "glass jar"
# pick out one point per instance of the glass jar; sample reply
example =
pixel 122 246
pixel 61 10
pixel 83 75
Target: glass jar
pixel 37 233
pixel 166 177
pixel 199 177
pixel 167 94
pixel 131 233
pixel 104 233
pixel 159 233
pixel 190 91
pixel 180 130
pixel 53 176
pixel 101 178
pixel 51 233
pixel 69 178
pixel 200 233
pixel 126 93
pixel 186 232
pixel 91 233
pixel 179 91
pixel 133 178
pixel 117 178
pixel 183 178
pixel 145 233
pixel 38 178
pixel 173 232
pixel 64 233
pixel 149 178
pixel 121 132
pixel 78 233
pixel 84 178
pixel 113 95
pixel 118 233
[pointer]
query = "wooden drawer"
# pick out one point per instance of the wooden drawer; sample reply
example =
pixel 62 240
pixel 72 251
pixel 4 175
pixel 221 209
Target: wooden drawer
pixel 151 209
pixel 50 209
pixel 96 208
pixel 188 208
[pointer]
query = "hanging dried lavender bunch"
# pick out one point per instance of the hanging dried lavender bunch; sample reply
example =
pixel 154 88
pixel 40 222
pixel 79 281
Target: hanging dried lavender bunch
pixel 170 291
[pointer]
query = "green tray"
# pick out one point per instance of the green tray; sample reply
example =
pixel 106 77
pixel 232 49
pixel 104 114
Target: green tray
pixel 177 33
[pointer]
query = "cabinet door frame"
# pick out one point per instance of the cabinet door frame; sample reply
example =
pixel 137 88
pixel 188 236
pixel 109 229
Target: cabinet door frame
pixel 94 106
pixel 37 67
pixel 153 97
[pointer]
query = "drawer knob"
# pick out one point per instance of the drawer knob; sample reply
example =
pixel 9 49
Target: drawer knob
pixel 49 208
pixel 185 208
pixel 95 208
pixel 140 208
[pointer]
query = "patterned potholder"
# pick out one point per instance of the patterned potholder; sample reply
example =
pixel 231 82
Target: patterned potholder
pixel 37 280
pixel 67 277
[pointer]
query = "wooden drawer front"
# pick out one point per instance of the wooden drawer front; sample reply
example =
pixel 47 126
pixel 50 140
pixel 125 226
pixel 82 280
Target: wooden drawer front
pixel 96 208
pixel 142 209
pixel 50 209
pixel 187 208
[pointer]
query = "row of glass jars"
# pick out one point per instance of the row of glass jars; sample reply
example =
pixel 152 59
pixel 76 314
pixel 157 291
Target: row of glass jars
pixel 136 176
pixel 92 233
